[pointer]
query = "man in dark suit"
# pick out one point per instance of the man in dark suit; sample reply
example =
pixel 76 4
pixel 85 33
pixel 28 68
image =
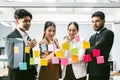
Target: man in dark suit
pixel 103 40
pixel 23 21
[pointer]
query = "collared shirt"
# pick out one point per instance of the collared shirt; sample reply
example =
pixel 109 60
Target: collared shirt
pixel 100 30
pixel 24 35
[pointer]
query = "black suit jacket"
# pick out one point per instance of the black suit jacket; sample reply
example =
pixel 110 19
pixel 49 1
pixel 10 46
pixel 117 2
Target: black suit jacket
pixel 104 42
pixel 31 70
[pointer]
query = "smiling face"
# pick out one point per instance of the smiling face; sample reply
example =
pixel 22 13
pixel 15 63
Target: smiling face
pixel 97 23
pixel 50 32
pixel 24 23
pixel 72 31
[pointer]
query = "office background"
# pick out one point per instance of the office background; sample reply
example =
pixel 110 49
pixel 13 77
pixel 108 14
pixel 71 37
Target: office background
pixel 62 12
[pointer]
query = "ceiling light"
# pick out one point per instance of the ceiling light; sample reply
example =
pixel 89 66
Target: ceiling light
pixel 49 1
pixel 5 24
pixel 51 9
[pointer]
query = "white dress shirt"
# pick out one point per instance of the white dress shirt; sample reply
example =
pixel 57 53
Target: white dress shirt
pixel 79 68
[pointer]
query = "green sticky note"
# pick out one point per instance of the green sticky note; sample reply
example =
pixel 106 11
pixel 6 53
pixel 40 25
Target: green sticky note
pixel 23 66
pixel 74 51
pixel 31 61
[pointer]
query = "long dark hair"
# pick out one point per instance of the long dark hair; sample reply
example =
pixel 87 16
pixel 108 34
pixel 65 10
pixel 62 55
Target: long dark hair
pixel 75 24
pixel 48 24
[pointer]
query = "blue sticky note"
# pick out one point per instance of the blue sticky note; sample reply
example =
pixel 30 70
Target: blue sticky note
pixel 23 66
pixel 43 46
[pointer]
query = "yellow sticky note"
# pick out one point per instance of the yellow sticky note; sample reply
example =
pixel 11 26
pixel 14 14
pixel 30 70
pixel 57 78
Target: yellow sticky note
pixel 65 46
pixel 75 58
pixel 31 61
pixel 59 53
pixel 43 62
pixel 86 45
pixel 16 49
pixel 27 50
pixel 36 53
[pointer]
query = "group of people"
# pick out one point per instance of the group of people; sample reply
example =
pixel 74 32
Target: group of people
pixel 74 70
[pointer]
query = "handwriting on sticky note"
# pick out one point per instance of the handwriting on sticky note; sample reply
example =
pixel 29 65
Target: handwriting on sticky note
pixel 100 60
pixel 74 51
pixel 43 62
pixel 36 53
pixel 27 50
pixel 43 47
pixel 64 61
pixel 31 61
pixel 86 45
pixel 75 58
pixel 87 58
pixel 16 49
pixel 96 52
pixel 77 38
pixel 59 53
pixel 65 46
pixel 23 66
pixel 55 60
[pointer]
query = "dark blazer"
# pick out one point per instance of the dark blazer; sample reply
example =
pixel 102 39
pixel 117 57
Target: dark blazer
pixel 16 74
pixel 103 42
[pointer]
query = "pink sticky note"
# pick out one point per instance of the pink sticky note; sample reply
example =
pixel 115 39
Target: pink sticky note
pixel 87 58
pixel 100 60
pixel 77 38
pixel 64 61
pixel 55 60
pixel 96 52
pixel 51 47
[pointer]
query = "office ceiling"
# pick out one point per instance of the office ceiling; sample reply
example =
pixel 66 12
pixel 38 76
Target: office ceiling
pixel 7 11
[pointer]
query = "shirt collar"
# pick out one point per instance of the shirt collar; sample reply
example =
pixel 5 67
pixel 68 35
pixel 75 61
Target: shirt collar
pixel 22 33
pixel 100 30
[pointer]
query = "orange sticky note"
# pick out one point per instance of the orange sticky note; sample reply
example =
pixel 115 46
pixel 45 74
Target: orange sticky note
pixel 65 46
pixel 36 53
pixel 86 45
pixel 16 49
pixel 59 53
pixel 43 62
pixel 75 58
pixel 27 50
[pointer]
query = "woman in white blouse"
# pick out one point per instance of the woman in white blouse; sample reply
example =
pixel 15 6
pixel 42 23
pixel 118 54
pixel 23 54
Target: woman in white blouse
pixel 75 70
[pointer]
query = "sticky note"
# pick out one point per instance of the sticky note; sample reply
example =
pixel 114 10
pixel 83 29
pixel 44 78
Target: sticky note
pixel 64 61
pixel 23 66
pixel 27 50
pixel 65 46
pixel 43 46
pixel 16 49
pixel 36 53
pixel 74 51
pixel 59 53
pixel 55 60
pixel 75 58
pixel 77 38
pixel 36 60
pixel 43 62
pixel 51 47
pixel 96 52
pixel 86 45
pixel 31 61
pixel 87 58
pixel 100 60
